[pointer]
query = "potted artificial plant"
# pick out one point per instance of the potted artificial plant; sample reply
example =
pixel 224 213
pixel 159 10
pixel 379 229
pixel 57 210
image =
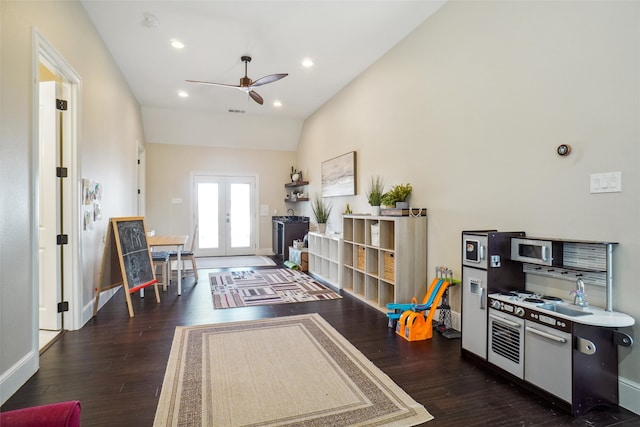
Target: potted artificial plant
pixel 321 212
pixel 375 193
pixel 398 196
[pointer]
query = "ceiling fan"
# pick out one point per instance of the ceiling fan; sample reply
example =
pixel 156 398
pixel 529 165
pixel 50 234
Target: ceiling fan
pixel 246 84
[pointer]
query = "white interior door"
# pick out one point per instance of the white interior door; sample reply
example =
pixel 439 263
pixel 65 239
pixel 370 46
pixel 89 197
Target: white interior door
pixel 225 214
pixel 49 211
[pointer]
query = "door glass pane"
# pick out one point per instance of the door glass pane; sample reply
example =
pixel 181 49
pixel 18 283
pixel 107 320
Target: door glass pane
pixel 208 215
pixel 240 211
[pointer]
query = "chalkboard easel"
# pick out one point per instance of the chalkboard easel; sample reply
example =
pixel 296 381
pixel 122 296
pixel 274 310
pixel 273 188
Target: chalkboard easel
pixel 126 260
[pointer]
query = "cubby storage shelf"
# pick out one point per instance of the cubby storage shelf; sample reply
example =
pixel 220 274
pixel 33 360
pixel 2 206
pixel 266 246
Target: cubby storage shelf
pixel 325 257
pixel 384 258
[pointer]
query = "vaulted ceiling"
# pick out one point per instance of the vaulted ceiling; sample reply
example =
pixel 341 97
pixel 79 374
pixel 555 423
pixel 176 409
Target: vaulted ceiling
pixel 342 38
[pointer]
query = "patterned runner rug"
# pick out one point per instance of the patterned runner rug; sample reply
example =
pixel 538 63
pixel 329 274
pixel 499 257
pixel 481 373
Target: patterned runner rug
pixel 294 370
pixel 268 286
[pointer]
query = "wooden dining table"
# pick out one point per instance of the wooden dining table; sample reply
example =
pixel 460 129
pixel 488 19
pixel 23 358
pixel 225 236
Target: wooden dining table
pixel 177 241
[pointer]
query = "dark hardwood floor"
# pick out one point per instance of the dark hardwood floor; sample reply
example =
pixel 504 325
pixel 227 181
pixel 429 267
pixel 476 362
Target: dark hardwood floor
pixel 115 364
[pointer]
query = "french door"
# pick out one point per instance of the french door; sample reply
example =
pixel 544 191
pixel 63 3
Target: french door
pixel 225 213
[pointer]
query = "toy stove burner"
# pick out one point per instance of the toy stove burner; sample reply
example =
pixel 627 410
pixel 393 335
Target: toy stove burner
pixel 509 294
pixel 534 300
pixel 550 298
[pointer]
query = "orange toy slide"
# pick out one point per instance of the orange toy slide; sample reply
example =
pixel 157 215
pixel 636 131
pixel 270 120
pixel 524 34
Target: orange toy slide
pixel 413 325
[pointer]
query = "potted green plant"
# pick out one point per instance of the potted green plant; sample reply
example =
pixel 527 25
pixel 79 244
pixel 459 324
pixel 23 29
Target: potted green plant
pixel 389 199
pixel 397 196
pixel 401 193
pixel 321 212
pixel 375 193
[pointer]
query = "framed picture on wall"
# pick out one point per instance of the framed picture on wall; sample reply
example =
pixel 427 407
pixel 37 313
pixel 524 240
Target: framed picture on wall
pixel 339 176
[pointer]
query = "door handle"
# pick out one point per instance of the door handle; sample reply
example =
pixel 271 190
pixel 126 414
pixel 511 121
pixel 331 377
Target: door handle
pixel 546 335
pixel 482 298
pixel 504 321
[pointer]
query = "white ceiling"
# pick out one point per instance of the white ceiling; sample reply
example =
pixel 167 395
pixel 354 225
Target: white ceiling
pixel 343 38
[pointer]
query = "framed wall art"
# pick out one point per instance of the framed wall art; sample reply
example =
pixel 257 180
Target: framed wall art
pixel 339 176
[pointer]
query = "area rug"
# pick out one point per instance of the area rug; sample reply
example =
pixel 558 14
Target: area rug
pixel 282 371
pixel 268 286
pixel 234 261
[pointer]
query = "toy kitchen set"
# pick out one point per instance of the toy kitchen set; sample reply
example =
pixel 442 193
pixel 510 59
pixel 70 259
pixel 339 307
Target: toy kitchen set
pixel 558 346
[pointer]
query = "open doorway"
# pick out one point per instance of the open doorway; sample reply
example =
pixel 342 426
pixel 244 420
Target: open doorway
pixel 56 222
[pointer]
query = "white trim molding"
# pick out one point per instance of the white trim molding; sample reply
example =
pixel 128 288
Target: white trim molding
pixel 629 395
pixel 18 374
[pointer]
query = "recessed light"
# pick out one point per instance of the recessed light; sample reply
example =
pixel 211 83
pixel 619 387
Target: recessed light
pixel 177 44
pixel 277 103
pixel 307 62
pixel 182 94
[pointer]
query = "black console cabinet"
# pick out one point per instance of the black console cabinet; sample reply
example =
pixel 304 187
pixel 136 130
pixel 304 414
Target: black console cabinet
pixel 285 231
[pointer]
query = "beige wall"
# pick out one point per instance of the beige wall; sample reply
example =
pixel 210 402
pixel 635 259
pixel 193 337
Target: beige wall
pixel 109 126
pixel 169 176
pixel 470 109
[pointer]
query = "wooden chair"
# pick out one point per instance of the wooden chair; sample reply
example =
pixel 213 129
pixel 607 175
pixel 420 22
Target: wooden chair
pixel 161 259
pixel 188 255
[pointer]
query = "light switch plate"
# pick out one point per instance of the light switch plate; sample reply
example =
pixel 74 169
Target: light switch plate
pixel 607 182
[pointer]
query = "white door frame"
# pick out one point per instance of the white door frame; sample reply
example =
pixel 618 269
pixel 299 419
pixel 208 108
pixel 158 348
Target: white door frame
pixel 254 220
pixel 43 51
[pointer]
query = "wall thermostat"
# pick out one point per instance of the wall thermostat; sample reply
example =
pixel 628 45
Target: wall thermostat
pixel 564 150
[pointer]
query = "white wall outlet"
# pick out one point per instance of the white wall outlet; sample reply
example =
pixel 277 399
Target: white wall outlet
pixel 264 210
pixel 176 201
pixel 607 182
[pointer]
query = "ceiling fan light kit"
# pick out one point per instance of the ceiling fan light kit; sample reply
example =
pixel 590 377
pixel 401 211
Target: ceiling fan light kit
pixel 246 84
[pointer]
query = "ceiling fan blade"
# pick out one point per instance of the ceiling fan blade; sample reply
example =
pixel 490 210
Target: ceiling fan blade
pixel 268 79
pixel 254 95
pixel 211 84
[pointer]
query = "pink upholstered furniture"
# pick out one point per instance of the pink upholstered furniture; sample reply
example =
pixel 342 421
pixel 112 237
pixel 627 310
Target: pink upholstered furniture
pixel 63 414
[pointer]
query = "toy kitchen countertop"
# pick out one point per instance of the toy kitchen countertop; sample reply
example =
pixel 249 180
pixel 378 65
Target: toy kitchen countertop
pixel 535 304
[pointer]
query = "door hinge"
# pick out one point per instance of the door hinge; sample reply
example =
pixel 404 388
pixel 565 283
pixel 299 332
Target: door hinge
pixel 61 104
pixel 63 306
pixel 61 172
pixel 62 239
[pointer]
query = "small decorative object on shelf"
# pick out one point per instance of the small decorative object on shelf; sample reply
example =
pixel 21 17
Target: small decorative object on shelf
pixel 295 175
pixel 375 193
pixel 321 212
pixel 295 190
pixel 398 196
pixel 413 212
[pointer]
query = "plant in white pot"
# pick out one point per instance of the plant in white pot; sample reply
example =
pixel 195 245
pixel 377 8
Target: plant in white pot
pixel 321 212
pixel 375 193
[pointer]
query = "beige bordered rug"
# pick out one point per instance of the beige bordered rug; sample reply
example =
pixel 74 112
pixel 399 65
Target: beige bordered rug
pixel 282 371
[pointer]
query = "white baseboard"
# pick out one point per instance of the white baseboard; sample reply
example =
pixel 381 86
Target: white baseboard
pixel 18 374
pixel 629 395
pixel 87 310
pixel 455 321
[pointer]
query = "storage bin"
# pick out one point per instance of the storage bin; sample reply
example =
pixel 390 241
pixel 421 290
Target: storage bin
pixel 375 234
pixel 299 257
pixel 360 258
pixel 389 266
